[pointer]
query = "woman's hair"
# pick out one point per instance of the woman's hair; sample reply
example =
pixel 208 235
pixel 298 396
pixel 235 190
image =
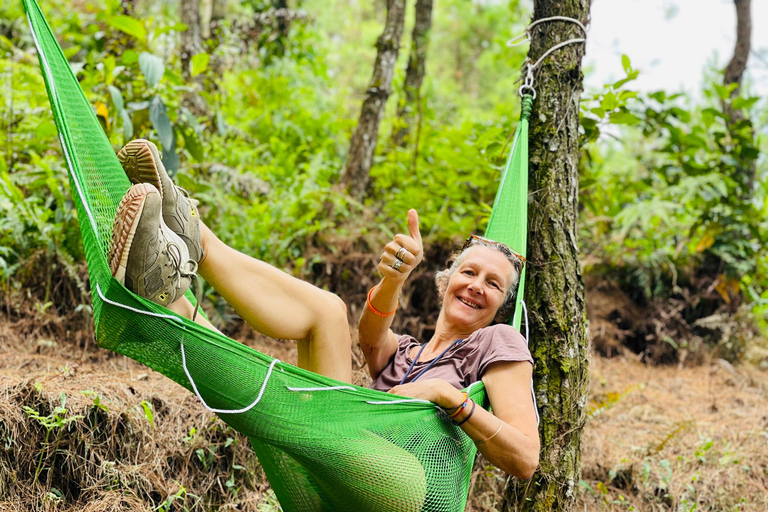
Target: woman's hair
pixel 507 308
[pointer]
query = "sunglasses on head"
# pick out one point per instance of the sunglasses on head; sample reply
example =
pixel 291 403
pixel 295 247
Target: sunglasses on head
pixel 503 248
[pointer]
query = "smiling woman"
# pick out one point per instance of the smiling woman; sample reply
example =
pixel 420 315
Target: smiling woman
pixel 476 290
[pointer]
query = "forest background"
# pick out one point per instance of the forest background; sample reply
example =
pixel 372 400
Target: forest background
pixel 257 125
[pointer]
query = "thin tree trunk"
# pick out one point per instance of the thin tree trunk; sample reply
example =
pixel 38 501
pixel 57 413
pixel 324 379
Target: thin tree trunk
pixel 414 74
pixel 555 290
pixel 190 38
pixel 218 13
pixel 363 143
pixel 734 73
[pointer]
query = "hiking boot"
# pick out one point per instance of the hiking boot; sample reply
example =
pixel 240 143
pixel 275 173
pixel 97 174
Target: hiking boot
pixel 141 162
pixel 145 254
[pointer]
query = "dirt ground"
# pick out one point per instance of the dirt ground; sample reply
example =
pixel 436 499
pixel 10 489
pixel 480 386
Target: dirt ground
pixel 657 438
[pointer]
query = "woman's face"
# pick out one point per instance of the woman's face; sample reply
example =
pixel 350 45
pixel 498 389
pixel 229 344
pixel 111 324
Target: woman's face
pixel 477 289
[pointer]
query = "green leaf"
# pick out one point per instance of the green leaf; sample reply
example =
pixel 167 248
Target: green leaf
pixel 117 98
pixel 178 27
pixel 626 64
pixel 161 122
pixel 624 118
pixel 171 157
pixel 72 51
pixel 192 143
pixel 200 63
pixel 127 124
pixel 609 101
pixel 740 103
pixel 721 91
pixel 128 25
pixel 130 57
pixel 109 68
pixel 45 129
pixel 152 67
pixel 148 412
pixel 221 124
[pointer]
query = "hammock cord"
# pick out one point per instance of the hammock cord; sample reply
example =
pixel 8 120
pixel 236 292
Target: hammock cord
pixel 226 411
pixel 528 78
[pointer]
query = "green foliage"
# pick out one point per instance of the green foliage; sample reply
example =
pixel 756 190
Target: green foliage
pixel 675 193
pixel 147 408
pixel 56 420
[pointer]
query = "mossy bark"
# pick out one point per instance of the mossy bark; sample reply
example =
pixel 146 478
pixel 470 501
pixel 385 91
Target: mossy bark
pixel 363 143
pixel 555 290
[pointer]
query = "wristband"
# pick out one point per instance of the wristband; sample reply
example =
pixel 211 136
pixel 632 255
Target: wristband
pixel 471 412
pixel 458 410
pixel 451 410
pixel 376 311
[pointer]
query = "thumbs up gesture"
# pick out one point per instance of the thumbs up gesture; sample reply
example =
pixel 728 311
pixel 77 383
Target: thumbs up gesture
pixel 402 254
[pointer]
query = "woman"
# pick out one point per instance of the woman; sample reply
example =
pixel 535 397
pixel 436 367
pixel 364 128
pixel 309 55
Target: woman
pixel 159 245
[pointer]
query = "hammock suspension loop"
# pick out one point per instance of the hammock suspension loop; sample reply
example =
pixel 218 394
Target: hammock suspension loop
pixel 527 82
pixel 528 79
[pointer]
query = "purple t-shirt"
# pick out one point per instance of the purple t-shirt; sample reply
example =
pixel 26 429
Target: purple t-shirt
pixel 463 364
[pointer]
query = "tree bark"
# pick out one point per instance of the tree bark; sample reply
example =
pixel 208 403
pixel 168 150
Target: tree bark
pixel 363 143
pixel 734 73
pixel 190 38
pixel 414 74
pixel 217 15
pixel 555 290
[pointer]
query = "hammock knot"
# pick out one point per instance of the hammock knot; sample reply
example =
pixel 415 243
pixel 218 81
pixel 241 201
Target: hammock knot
pixel 526 107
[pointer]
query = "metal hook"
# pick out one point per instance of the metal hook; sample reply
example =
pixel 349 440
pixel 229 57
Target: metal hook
pixel 528 81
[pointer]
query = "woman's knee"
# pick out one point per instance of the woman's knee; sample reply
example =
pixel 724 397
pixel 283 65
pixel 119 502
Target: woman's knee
pixel 337 309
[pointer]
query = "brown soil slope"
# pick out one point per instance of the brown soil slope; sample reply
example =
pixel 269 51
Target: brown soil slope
pixel 658 438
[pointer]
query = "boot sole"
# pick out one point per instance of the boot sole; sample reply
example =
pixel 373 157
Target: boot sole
pixel 138 161
pixel 126 220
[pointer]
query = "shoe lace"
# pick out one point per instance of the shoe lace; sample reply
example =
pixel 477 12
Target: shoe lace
pixel 178 272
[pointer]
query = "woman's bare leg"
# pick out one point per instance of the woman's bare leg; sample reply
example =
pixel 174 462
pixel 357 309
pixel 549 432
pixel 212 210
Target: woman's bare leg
pixel 278 305
pixel 185 308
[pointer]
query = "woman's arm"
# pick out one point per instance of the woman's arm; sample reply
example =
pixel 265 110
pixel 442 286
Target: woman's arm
pixel 514 448
pixel 514 437
pixel 378 342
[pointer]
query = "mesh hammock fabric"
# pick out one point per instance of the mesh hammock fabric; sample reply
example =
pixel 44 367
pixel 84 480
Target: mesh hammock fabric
pixel 324 445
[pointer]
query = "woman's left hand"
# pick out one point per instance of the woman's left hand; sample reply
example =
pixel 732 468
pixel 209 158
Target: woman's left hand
pixel 437 391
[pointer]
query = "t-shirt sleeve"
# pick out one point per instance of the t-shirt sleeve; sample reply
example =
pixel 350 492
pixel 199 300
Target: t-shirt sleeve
pixel 503 343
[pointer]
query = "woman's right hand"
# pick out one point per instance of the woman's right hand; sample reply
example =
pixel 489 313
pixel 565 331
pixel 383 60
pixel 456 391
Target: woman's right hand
pixel 409 258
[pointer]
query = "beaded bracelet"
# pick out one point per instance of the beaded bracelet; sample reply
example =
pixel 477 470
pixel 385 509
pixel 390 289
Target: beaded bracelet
pixel 376 311
pixel 471 412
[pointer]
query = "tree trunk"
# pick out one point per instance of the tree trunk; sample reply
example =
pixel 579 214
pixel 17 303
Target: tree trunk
pixel 555 290
pixel 414 74
pixel 363 143
pixel 218 13
pixel 190 38
pixel 734 73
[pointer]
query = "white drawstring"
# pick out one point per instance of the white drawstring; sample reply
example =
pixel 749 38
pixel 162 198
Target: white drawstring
pixel 226 411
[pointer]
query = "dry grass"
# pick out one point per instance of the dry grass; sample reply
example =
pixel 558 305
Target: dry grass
pixel 103 453
pixel 677 438
pixel 660 438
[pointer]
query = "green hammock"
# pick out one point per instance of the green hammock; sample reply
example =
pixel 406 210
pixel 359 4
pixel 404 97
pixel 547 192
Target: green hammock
pixel 324 445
